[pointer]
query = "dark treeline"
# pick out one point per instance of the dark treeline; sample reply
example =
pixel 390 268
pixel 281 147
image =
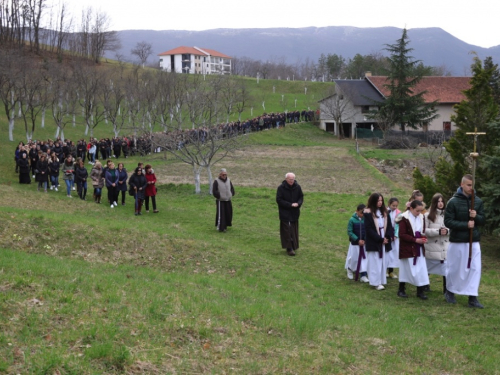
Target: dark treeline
pixel 327 68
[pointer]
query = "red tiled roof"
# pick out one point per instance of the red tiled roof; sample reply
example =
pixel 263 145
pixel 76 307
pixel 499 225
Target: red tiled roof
pixel 441 89
pixel 181 50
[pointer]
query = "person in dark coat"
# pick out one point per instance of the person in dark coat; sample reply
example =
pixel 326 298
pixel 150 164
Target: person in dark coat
pixel 462 217
pixel 54 166
pixel 33 154
pixel 138 183
pixel 223 191
pixel 81 175
pixel 289 197
pixel 122 182
pixel 42 172
pixel 379 233
pixel 111 177
pixel 24 169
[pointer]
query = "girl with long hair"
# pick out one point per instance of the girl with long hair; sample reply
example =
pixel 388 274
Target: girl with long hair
pixel 379 233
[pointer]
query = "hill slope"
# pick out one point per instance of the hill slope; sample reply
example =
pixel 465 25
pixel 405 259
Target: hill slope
pixel 433 46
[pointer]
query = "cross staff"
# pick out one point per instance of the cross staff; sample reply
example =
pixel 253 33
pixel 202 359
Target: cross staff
pixel 474 155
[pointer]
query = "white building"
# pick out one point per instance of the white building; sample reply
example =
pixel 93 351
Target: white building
pixel 195 60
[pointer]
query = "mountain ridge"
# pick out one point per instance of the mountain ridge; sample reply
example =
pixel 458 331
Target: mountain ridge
pixel 433 46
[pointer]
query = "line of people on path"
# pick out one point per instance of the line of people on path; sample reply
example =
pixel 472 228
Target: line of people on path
pixel 443 241
pixel 141 185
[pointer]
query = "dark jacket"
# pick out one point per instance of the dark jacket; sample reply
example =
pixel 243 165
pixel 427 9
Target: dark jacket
pixel 24 165
pixel 138 183
pixel 356 229
pixel 122 177
pixel 54 168
pixel 285 196
pixel 109 177
pixel 81 174
pixel 456 217
pixel 408 247
pixel 42 166
pixel 374 241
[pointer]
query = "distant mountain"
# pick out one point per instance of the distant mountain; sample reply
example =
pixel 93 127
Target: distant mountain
pixel 433 46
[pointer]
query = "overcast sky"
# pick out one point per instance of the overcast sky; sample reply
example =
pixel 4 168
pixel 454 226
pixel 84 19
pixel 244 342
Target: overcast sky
pixel 474 22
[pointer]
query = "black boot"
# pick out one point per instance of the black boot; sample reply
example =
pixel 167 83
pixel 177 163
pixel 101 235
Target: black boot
pixel 450 297
pixel 473 302
pixel 444 284
pixel 426 288
pixel 402 290
pixel 84 194
pixel 420 292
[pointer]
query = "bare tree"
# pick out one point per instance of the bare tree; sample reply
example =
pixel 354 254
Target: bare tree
pixel 338 106
pixel 12 70
pixel 142 50
pixel 32 88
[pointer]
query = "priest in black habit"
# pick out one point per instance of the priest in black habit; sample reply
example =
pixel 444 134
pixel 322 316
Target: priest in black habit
pixel 289 198
pixel 223 191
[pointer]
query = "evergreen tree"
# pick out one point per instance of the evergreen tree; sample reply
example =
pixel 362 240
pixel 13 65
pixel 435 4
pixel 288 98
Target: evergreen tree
pixel 403 105
pixel 479 110
pixel 490 188
pixel 425 184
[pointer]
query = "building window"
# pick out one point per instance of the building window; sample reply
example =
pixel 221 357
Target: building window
pixel 365 109
pixel 447 125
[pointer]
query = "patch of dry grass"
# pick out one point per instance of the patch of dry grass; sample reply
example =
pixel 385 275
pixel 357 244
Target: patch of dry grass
pixel 318 169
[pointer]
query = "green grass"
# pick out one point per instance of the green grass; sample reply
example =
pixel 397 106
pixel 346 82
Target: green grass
pixel 89 290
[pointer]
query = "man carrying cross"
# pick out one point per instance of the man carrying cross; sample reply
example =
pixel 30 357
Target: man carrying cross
pixel 463 214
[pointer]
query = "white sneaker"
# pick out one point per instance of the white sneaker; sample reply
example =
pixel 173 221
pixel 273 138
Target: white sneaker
pixel 350 275
pixel 380 287
pixel 33 176
pixel 56 189
pixel 364 279
pixel 52 188
pixel 392 275
pixel 74 188
pixel 112 206
pixel 115 204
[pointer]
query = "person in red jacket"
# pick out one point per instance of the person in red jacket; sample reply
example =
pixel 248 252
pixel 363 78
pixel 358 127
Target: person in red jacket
pixel 150 188
pixel 412 266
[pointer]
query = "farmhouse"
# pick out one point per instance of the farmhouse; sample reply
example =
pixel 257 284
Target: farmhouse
pixel 353 99
pixel 195 60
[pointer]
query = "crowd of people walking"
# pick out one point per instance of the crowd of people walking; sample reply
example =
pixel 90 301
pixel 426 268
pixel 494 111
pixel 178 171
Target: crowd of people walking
pixel 47 162
pixel 419 243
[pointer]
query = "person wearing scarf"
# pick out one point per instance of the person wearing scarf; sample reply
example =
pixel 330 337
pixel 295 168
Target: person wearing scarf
pixel 412 264
pixel 438 239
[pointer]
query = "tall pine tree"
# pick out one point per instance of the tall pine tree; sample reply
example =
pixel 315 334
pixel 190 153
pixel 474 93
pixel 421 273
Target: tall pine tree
pixel 404 106
pixel 479 109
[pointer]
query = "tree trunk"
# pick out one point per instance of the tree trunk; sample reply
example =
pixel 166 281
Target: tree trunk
pixel 11 129
pixel 196 171
pixel 43 118
pixel 210 178
pixel 58 129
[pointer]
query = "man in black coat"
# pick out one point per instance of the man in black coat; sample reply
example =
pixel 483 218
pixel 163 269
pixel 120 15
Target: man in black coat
pixel 289 197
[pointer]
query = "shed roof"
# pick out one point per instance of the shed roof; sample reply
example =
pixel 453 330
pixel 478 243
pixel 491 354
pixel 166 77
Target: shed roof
pixel 359 91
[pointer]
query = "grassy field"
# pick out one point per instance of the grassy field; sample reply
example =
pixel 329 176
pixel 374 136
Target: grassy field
pixel 89 290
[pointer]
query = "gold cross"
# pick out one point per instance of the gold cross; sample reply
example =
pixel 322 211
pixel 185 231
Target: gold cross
pixel 475 134
pixel 474 155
